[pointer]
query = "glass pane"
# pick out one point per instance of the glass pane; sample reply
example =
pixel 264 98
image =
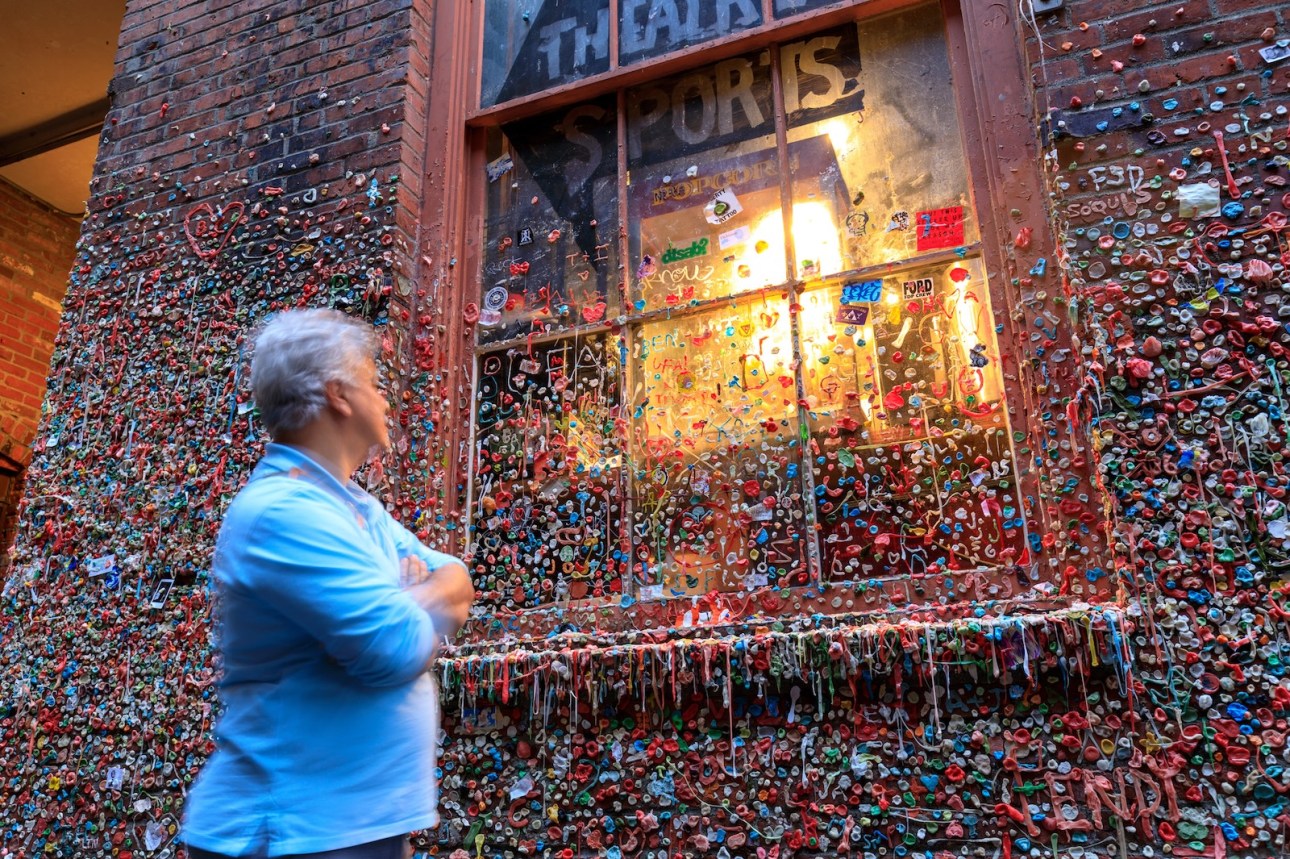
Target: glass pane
pixel 785 8
pixel 913 463
pixel 534 45
pixel 546 502
pixel 716 495
pixel 876 102
pixel 704 201
pixel 651 28
pixel 550 255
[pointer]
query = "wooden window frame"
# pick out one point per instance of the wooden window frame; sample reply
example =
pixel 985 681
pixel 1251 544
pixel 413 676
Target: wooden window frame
pixel 1002 162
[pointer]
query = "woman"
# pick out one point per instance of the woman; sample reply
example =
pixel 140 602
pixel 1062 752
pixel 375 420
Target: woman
pixel 329 614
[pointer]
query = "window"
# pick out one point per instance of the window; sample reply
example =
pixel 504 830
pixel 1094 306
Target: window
pixel 734 326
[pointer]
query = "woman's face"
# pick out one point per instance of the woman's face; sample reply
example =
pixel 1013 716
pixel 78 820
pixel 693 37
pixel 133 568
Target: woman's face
pixel 370 408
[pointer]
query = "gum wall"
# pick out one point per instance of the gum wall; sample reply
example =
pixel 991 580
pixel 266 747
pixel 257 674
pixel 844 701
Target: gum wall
pixel 1120 693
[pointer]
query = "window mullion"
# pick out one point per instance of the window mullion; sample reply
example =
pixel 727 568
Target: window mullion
pixel 805 475
pixel 614 23
pixel 472 271
pixel 781 149
pixel 628 511
pixel 475 98
pixel 472 460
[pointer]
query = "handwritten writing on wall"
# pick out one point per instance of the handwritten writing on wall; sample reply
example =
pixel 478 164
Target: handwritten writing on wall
pixel 547 470
pixel 716 464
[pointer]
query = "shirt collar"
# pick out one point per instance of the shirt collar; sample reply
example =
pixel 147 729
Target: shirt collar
pixel 280 458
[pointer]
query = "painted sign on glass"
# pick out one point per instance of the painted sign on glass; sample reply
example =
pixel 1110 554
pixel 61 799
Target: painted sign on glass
pixel 550 256
pixel 533 45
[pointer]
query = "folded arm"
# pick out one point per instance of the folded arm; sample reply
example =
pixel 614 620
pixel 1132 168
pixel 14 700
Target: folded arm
pixel 314 570
pixel 437 582
pixel 445 593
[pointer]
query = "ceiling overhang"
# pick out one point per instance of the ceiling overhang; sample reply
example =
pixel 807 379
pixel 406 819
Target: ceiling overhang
pixel 56 62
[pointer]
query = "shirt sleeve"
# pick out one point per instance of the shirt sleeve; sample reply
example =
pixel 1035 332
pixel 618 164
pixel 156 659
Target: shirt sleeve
pixel 408 545
pixel 316 567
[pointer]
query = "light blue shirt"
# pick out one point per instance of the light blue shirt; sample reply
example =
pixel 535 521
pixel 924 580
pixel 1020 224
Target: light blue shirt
pixel 330 725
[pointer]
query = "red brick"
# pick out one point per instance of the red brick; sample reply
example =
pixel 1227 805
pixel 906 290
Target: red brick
pixel 1152 21
pixel 1226 7
pixel 24 390
pixel 1096 10
pixel 1215 34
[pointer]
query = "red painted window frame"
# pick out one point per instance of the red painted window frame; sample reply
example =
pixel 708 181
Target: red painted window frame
pixel 997 127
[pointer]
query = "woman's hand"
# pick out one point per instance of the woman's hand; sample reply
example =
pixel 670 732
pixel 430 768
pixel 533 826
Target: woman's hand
pixel 413 571
pixel 445 593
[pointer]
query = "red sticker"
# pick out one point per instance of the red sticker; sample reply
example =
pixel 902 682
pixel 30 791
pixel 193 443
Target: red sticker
pixel 939 228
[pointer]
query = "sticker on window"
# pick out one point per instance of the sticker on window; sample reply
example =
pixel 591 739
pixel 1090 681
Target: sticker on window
pixel 864 291
pixel 940 228
pixel 723 206
pixel 923 287
pixel 734 238
pixel 851 315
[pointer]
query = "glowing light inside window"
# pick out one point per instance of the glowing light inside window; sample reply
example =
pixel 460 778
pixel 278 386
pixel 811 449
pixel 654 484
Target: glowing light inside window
pixel 815 242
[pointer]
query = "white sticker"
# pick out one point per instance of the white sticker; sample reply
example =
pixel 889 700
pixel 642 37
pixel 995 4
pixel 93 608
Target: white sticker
pixel 923 287
pixel 650 592
pixel 1200 200
pixel 157 599
pixel 737 236
pixel 521 788
pixel 723 206
pixel 101 565
pixel 153 835
pixel 496 298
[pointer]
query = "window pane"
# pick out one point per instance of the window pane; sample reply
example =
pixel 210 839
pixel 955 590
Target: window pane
pixel 533 45
pixel 877 102
pixel 910 449
pixel 651 28
pixel 550 255
pixel 547 459
pixel 716 496
pixel 704 201
pixel 905 405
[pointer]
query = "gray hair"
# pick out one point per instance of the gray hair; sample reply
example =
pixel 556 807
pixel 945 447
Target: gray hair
pixel 296 354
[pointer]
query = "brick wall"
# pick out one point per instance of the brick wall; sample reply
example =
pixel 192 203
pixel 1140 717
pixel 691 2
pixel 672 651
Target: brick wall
pixel 37 245
pixel 252 160
pixel 1166 133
